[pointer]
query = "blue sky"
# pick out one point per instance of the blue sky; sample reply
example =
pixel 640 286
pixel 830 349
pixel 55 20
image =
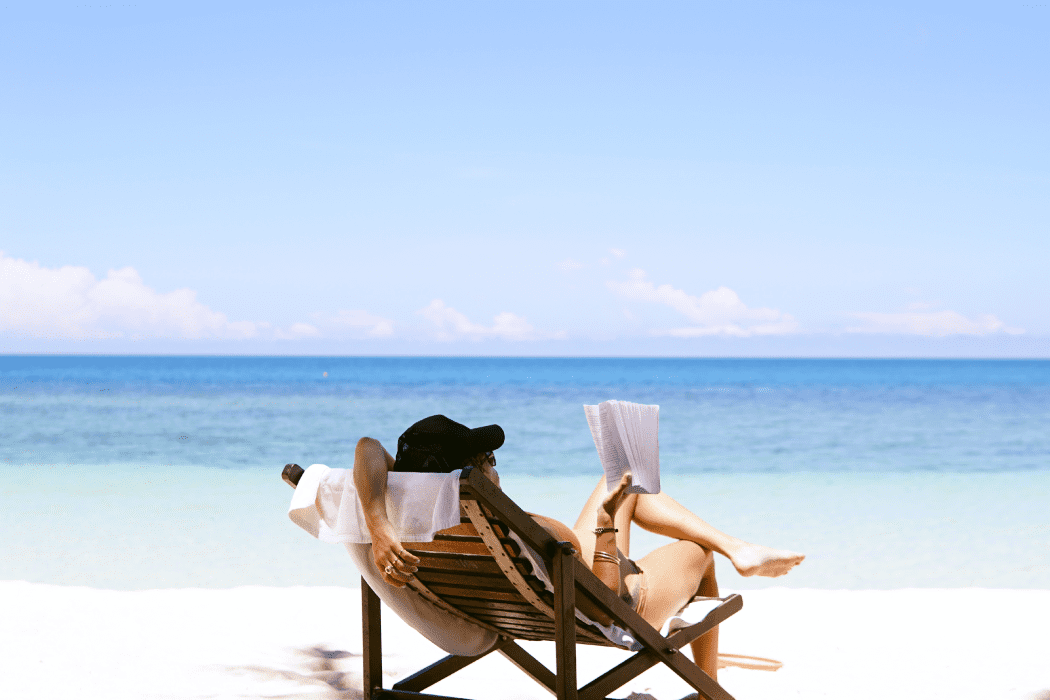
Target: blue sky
pixel 672 178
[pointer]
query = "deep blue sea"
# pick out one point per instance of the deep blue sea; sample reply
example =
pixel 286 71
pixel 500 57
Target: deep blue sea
pixel 148 472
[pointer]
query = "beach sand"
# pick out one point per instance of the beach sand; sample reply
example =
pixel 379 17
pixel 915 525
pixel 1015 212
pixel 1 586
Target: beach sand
pixel 255 642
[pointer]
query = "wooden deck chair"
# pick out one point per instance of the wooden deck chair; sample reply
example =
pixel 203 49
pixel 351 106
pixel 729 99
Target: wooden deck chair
pixel 476 571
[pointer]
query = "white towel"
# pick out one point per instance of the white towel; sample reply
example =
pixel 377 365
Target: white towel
pixel 627 437
pixel 418 505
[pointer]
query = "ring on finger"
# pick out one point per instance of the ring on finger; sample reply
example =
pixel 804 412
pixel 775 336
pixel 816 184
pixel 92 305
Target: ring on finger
pixel 389 570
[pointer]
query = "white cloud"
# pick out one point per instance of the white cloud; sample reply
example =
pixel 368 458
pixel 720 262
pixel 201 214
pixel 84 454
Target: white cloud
pixel 354 322
pixel 618 252
pixel 934 323
pixel 569 265
pixel 717 312
pixel 70 303
pixel 296 331
pixel 453 324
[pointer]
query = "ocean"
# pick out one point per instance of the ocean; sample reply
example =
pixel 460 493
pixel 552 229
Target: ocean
pixel 135 473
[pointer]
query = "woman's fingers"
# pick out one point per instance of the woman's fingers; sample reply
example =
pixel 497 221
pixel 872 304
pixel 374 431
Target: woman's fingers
pixel 397 577
pixel 396 564
pixel 621 488
pixel 408 558
pixel 615 498
pixel 395 574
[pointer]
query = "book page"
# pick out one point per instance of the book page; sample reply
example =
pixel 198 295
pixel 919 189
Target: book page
pixel 626 436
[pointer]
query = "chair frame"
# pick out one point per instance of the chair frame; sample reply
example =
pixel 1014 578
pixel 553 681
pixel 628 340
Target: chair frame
pixel 569 580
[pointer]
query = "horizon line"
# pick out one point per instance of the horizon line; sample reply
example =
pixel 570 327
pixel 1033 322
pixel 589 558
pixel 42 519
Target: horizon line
pixel 532 357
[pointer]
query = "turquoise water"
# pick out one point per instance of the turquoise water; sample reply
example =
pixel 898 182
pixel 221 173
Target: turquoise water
pixel 154 472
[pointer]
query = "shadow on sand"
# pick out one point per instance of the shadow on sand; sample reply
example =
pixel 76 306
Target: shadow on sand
pixel 315 666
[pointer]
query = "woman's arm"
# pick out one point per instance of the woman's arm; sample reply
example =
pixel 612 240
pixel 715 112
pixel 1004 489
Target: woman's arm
pixel 562 533
pixel 606 564
pixel 607 567
pixel 371 465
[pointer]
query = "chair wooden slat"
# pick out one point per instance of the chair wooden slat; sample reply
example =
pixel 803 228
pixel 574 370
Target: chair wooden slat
pixel 442 590
pixel 467 562
pixel 489 604
pixel 481 610
pixel 469 580
pixel 462 545
pixel 502 554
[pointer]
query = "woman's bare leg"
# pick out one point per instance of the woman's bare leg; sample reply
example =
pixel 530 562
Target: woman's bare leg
pixel 663 515
pixel 705 648
pixel 674 574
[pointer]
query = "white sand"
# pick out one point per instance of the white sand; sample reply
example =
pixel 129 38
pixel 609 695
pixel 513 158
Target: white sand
pixel 65 642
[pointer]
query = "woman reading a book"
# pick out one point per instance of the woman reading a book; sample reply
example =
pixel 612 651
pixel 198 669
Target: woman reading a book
pixel 657 586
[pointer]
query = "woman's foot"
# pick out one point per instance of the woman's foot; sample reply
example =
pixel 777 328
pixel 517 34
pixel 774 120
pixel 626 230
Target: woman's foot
pixel 756 560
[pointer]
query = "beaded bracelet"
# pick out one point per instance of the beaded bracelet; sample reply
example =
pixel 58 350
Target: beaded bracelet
pixel 600 530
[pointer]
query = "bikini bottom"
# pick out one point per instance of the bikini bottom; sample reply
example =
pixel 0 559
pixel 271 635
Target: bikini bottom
pixel 636 584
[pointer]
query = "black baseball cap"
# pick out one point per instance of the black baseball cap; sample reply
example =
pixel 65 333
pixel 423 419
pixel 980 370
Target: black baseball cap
pixel 440 444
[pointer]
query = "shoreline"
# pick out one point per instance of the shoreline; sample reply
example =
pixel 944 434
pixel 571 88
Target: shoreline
pixel 255 641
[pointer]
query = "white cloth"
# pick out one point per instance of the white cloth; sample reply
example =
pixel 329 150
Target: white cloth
pixel 326 505
pixel 691 614
pixel 627 437
pixel 418 505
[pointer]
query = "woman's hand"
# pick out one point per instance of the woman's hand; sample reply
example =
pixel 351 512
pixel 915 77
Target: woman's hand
pixel 394 562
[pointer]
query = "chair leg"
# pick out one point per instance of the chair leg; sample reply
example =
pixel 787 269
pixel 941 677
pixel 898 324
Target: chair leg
pixel 615 677
pixel 528 663
pixel 565 621
pixel 372 641
pixel 440 670
pixel 691 674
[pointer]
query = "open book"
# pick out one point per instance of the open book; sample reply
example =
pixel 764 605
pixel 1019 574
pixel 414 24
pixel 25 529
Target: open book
pixel 627 437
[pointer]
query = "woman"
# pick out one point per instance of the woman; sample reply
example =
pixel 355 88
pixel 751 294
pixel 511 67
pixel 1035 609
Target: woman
pixel 658 585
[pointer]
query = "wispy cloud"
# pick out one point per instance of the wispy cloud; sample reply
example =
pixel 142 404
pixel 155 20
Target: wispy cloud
pixel 568 265
pixel 297 331
pixel 618 252
pixel 933 323
pixel 353 322
pixel 70 303
pixel 453 325
pixel 717 312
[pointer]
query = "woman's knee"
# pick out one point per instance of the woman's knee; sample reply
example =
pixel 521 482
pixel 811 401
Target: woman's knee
pixel 692 550
pixel 702 561
pixel 695 557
